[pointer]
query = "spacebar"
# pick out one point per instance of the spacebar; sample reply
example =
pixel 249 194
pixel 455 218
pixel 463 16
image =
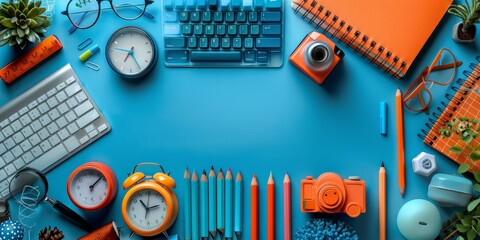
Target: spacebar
pixel 230 56
pixel 49 158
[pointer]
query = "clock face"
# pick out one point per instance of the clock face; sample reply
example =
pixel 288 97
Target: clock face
pixel 147 210
pixel 131 52
pixel 89 188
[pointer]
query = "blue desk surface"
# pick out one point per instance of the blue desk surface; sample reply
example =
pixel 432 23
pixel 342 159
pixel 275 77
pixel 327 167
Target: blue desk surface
pixel 252 120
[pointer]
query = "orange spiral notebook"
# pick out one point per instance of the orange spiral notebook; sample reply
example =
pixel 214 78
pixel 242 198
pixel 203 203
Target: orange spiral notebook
pixel 390 33
pixel 460 118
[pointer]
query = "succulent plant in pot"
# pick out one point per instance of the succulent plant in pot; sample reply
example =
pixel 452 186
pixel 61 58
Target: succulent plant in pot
pixel 465 30
pixel 22 22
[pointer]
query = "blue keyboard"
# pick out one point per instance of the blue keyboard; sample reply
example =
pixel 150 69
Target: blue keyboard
pixel 223 33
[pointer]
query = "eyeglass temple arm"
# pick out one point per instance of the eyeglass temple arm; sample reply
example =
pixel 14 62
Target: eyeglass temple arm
pixel 447 66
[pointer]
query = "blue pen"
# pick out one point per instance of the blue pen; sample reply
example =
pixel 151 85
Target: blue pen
pixel 188 205
pixel 221 202
pixel 212 202
pixel 228 205
pixel 204 205
pixel 383 118
pixel 195 230
pixel 238 227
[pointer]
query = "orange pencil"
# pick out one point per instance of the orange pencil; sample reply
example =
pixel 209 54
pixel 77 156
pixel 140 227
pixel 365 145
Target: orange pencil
pixel 382 203
pixel 254 208
pixel 400 146
pixel 287 209
pixel 270 208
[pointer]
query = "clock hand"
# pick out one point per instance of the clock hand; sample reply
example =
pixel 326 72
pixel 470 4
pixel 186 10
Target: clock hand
pixel 148 199
pixel 145 206
pixel 154 206
pixel 95 183
pixel 135 59
pixel 124 50
pixel 129 53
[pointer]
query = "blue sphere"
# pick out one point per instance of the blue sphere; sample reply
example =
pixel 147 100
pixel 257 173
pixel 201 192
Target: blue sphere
pixel 11 230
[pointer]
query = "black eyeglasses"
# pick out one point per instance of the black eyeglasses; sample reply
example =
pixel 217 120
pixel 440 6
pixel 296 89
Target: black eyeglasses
pixel 84 13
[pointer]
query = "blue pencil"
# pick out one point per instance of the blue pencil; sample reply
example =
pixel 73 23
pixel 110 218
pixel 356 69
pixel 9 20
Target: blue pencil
pixel 228 205
pixel 204 206
pixel 188 205
pixel 195 230
pixel 221 202
pixel 238 227
pixel 212 202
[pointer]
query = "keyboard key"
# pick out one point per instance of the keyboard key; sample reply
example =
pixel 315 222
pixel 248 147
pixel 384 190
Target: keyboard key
pixel 8 157
pixel 243 30
pixel 50 157
pixel 16 126
pixel 9 143
pixel 1 137
pixel 195 17
pixel 72 102
pixel 61 122
pixel 51 92
pixel 268 43
pixel 241 17
pixel 72 89
pixel 206 17
pixel 271 16
pixel 63 134
pixel 250 56
pixel 209 30
pixel 3 175
pixel 3 149
pixel 221 30
pixel 258 4
pixel 102 128
pixel 4 187
pixel 26 145
pixel 175 42
pixel 71 144
pixel 262 57
pixel 25 120
pixel 52 128
pixel 14 117
pixel 187 29
pixel 17 151
pixel 203 43
pixel 248 43
pixel 45 120
pixel 202 4
pixel 27 131
pixel 237 43
pixel 54 114
pixel 84 139
pixel 184 17
pixel 87 118
pixel 171 29
pixel 272 29
pixel 33 104
pixel 34 139
pixel 19 163
pixel 4 123
pixel 18 137
pixel 61 96
pixel 254 30
pixel 236 4
pixel 247 5
pixel 45 145
pixel 61 86
pixel 179 4
pixel 170 17
pixel 43 108
pixel 225 4
pixel 93 133
pixel 43 134
pixel 37 151
pixel 218 17
pixel 89 128
pixel 27 158
pixel 230 56
pixel 10 169
pixel 192 42
pixel 171 56
pixel 52 102
pixel 253 17
pixel 232 30
pixel 34 114
pixel 198 30
pixel 225 43
pixel 191 4
pixel 62 108
pixel 83 108
pixel 229 17
pixel 54 140
pixel 36 125
pixel 23 111
pixel 42 98
pixel 214 43
pixel 168 4
pixel 273 4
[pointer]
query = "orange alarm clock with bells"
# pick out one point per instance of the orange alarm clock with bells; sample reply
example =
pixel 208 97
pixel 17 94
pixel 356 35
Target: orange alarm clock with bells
pixel 150 206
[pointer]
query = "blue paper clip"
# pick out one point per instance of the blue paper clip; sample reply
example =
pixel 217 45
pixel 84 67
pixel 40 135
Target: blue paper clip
pixel 92 66
pixel 84 44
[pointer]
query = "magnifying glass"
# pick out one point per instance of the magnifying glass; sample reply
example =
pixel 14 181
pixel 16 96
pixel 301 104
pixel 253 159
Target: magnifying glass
pixel 29 187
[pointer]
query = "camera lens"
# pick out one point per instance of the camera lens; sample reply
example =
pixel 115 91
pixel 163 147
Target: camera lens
pixel 319 56
pixel 319 53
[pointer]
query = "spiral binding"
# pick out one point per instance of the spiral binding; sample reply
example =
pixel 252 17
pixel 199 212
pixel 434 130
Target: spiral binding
pixel 461 89
pixel 323 18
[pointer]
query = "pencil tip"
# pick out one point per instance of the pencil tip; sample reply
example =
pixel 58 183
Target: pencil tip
pixel 270 173
pixel 203 172
pixel 211 167
pixel 382 164
pixel 221 170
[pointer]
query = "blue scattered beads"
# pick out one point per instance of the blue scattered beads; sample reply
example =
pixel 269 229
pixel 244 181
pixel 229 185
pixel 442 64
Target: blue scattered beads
pixel 322 229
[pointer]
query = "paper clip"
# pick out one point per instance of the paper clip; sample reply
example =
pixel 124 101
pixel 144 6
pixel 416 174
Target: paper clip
pixel 92 66
pixel 84 44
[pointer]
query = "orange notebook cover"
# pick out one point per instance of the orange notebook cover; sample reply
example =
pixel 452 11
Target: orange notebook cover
pixel 390 33
pixel 464 106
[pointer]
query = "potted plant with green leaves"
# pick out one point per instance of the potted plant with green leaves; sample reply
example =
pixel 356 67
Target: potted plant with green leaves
pixel 465 30
pixel 22 22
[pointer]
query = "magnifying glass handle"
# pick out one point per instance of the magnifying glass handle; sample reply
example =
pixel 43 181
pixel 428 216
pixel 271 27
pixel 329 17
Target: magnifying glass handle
pixel 79 220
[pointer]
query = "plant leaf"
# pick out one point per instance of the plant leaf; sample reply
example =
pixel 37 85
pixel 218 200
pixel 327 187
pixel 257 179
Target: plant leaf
pixel 460 238
pixel 471 234
pixel 473 204
pixel 463 168
pixel 476 187
pixel 33 13
pixel 456 149
pixel 466 222
pixel 475 155
pixel 7 22
pixel 461 228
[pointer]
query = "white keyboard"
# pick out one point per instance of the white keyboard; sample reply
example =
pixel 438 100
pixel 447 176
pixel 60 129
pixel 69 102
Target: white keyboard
pixel 46 125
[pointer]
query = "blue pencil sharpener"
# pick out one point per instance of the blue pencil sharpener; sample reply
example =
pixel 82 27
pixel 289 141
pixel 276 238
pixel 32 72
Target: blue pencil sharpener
pixel 449 190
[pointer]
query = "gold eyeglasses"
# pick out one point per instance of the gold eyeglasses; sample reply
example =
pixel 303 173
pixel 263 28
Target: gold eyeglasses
pixel 441 71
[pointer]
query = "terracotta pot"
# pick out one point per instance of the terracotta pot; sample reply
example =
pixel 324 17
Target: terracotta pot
pixel 456 28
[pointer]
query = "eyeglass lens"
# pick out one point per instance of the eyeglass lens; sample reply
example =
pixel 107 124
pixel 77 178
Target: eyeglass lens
pixel 84 13
pixel 443 71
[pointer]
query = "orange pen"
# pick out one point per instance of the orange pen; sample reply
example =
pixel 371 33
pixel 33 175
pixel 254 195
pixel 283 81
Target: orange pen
pixel 400 146
pixel 270 208
pixel 382 203
pixel 254 208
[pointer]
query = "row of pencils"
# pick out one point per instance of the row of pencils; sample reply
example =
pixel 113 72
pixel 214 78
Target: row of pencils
pixel 214 205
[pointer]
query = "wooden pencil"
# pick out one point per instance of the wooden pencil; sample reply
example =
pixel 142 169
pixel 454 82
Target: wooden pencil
pixel 287 209
pixel 195 210
pixel 400 142
pixel 382 202
pixel 204 205
pixel 188 205
pixel 238 217
pixel 254 208
pixel 270 208
pixel 228 205
pixel 220 202
pixel 212 203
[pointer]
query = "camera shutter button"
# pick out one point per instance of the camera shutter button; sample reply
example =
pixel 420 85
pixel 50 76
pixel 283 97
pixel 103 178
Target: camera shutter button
pixel 353 210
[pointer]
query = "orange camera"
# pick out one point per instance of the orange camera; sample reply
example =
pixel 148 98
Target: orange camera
pixel 316 56
pixel 329 193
